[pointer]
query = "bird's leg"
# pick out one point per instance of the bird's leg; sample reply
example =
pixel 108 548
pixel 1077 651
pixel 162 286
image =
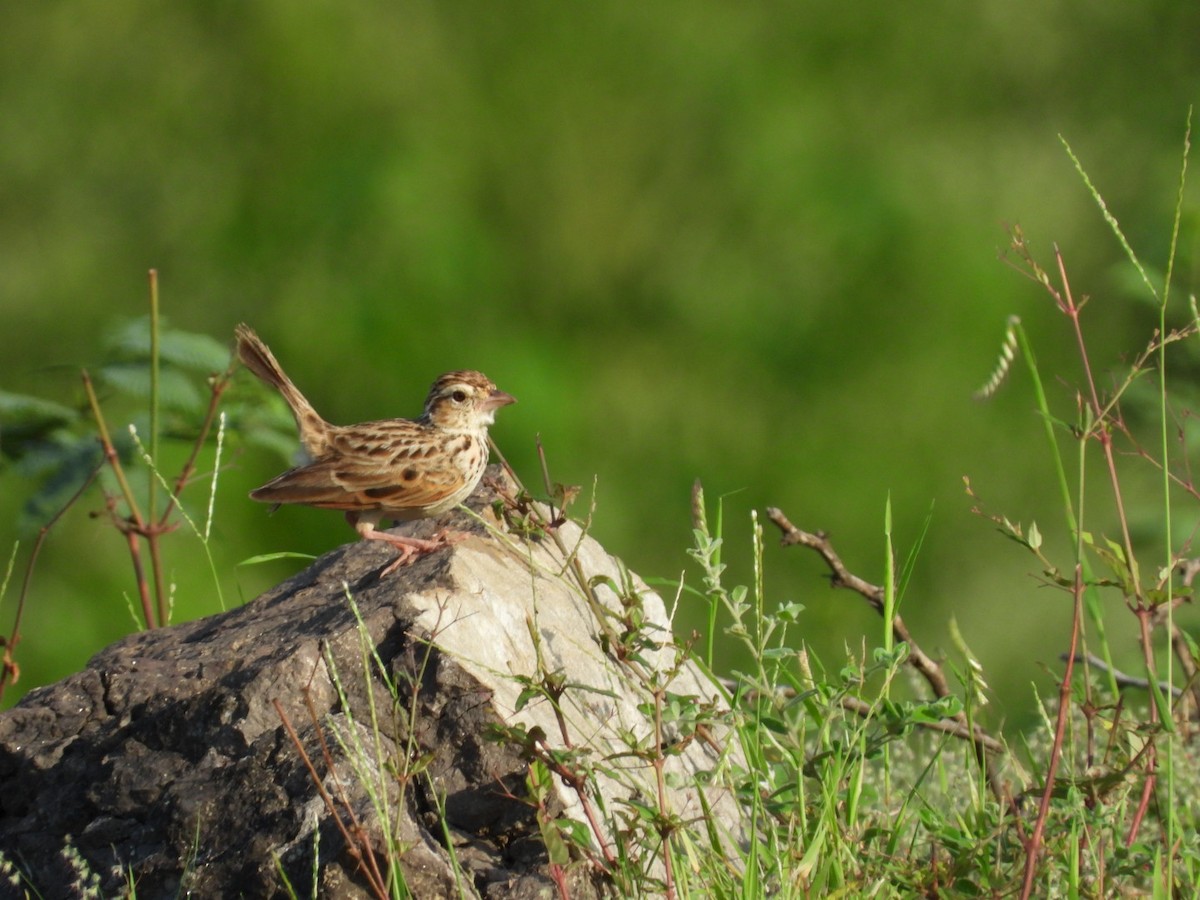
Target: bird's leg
pixel 409 549
pixel 443 538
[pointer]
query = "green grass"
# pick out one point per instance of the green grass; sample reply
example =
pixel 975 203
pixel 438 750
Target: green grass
pixel 883 772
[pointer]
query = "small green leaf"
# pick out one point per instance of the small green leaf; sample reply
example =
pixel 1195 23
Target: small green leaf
pixel 774 653
pixel 1117 550
pixel 576 832
pixel 773 724
pixel 1165 714
pixel 272 557
pixel 790 612
pixel 525 696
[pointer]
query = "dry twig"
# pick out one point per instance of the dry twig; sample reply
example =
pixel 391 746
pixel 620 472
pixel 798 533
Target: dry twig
pixel 987 748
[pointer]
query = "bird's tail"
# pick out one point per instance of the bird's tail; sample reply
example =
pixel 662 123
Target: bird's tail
pixel 258 358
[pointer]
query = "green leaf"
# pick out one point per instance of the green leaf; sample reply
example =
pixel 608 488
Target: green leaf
pixel 774 653
pixel 1117 550
pixel 62 465
pixel 790 612
pixel 1165 715
pixel 1193 647
pixel 130 341
pixel 21 409
pixel 578 833
pixel 175 389
pixel 525 696
pixel 28 423
pixel 271 557
pixel 773 724
pixel 198 353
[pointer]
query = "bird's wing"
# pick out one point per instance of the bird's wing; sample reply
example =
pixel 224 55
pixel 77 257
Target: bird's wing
pixel 367 472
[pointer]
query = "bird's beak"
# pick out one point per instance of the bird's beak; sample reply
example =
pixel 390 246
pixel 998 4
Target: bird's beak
pixel 497 399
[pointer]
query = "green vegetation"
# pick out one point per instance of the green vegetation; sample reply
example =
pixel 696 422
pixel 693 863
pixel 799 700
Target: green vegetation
pixel 750 245
pixel 883 774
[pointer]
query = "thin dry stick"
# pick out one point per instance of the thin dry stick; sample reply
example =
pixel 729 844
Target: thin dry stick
pixel 842 577
pixel 366 860
pixel 952 727
pixel 1123 679
pixel 873 594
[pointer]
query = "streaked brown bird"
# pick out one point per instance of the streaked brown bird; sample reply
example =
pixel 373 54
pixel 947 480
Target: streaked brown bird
pixel 401 469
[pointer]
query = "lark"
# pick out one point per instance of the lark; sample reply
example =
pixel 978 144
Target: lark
pixel 400 469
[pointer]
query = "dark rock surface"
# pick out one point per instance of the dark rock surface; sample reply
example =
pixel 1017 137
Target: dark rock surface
pixel 166 761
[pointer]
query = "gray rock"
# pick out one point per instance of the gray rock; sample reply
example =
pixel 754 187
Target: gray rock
pixel 167 757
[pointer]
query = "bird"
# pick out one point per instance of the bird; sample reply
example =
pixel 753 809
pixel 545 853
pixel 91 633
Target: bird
pixel 401 469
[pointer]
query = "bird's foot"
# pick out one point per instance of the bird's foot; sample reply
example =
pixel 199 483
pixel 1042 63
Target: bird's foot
pixel 410 549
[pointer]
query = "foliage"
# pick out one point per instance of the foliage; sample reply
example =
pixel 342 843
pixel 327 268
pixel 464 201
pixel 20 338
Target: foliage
pixel 852 769
pixel 749 242
pixel 171 384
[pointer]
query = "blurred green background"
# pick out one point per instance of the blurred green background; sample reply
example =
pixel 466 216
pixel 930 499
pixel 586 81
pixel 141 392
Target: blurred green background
pixel 750 243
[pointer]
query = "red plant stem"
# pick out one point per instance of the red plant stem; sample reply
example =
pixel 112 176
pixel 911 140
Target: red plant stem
pixel 574 779
pixel 133 530
pixel 1139 605
pixel 162 526
pixel 1144 614
pixel 10 670
pixel 139 574
pixel 133 525
pixel 160 588
pixel 1099 412
pixel 579 785
pixel 219 386
pixel 156 612
pixel 559 877
pixel 1033 846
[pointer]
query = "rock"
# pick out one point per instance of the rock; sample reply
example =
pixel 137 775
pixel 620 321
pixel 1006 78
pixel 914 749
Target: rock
pixel 169 761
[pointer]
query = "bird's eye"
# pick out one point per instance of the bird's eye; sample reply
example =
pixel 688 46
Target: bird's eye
pixel 459 396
